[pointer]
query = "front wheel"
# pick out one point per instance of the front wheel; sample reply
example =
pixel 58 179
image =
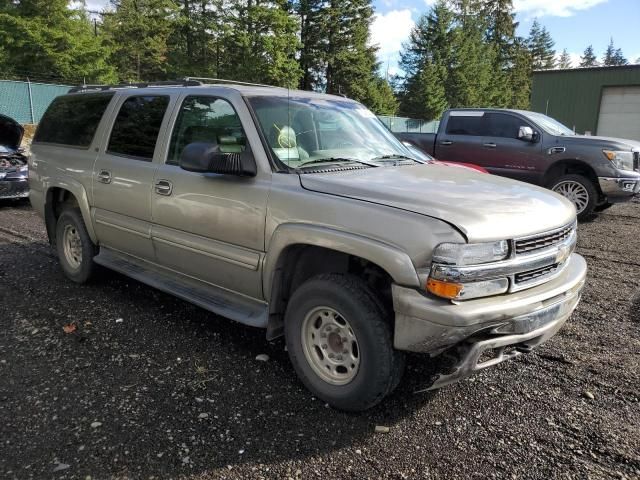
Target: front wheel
pixel 578 190
pixel 340 344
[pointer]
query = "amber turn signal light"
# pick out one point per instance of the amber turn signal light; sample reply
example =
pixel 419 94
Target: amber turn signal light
pixel 444 289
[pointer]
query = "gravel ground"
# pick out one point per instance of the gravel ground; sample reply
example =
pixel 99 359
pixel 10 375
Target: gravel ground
pixel 149 386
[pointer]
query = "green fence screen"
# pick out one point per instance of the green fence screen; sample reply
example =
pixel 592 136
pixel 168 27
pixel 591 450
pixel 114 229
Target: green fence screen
pixel 26 102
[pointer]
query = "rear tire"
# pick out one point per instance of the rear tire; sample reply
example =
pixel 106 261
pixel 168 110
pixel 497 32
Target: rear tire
pixel 74 246
pixel 580 191
pixel 340 342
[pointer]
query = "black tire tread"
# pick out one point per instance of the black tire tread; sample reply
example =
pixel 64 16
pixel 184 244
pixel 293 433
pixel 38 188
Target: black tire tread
pixel 392 361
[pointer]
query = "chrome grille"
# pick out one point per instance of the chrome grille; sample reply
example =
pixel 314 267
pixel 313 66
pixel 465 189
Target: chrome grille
pixel 544 240
pixel 525 277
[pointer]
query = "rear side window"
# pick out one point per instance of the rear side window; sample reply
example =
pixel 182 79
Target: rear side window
pixel 474 125
pixel 136 128
pixel 72 119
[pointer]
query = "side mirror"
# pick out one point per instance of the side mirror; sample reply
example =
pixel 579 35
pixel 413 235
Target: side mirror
pixel 527 134
pixel 203 157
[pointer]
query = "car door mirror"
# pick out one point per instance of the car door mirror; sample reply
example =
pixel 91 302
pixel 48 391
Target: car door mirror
pixel 527 134
pixel 204 157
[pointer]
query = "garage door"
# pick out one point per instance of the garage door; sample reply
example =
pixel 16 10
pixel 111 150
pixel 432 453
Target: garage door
pixel 620 113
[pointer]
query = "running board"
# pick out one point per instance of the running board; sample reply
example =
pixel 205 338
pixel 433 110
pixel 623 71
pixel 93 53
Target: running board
pixel 217 300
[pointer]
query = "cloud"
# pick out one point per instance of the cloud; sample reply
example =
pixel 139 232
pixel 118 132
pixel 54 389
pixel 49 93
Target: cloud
pixel 554 8
pixel 389 30
pixel 573 56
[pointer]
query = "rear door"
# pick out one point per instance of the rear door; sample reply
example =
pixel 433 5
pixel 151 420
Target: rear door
pixel 462 137
pixel 503 153
pixel 123 174
pixel 205 225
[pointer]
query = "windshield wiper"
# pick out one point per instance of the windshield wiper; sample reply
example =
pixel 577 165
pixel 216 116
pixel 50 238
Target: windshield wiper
pixel 394 156
pixel 337 159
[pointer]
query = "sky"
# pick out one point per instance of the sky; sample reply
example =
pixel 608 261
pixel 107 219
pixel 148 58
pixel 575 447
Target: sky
pixel 573 24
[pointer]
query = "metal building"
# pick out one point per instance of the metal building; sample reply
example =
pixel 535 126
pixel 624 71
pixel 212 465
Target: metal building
pixel 597 101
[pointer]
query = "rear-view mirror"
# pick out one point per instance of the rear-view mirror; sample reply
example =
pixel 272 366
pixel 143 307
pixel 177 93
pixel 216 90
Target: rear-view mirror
pixel 204 157
pixel 527 134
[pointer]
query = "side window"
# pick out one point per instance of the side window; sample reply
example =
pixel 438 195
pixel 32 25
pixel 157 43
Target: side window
pixel 504 125
pixel 135 130
pixel 474 125
pixel 206 119
pixel 73 119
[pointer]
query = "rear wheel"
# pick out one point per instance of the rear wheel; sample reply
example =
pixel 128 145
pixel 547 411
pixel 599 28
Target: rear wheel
pixel 578 190
pixel 340 344
pixel 74 246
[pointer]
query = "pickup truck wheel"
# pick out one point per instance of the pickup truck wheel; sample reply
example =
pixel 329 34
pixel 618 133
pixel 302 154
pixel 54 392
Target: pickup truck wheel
pixel 339 341
pixel 74 246
pixel 580 191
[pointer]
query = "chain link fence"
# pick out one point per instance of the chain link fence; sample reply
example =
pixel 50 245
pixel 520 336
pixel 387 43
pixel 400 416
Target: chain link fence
pixel 26 101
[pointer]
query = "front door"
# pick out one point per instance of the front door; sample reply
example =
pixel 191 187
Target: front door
pixel 210 226
pixel 503 153
pixel 123 176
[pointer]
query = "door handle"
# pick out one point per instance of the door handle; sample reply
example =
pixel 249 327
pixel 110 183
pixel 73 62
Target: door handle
pixel 164 187
pixel 553 150
pixel 446 143
pixel 104 176
pixel 489 145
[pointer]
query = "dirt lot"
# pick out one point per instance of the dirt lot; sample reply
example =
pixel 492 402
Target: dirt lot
pixel 149 386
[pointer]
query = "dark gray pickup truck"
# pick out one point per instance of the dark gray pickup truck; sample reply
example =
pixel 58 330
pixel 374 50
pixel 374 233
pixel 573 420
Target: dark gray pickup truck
pixel 592 172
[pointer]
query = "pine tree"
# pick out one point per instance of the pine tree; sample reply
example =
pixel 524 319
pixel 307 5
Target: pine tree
pixel 613 57
pixel 609 55
pixel 425 60
pixel 137 33
pixel 471 76
pixel 262 43
pixel 564 62
pixel 619 59
pixel 46 40
pixel 588 58
pixel 520 77
pixel 541 45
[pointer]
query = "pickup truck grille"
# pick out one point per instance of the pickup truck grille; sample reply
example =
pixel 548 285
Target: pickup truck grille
pixel 544 240
pixel 525 277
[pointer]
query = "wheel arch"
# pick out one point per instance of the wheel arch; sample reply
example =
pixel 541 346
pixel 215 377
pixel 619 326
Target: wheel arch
pixel 298 252
pixel 570 166
pixel 58 195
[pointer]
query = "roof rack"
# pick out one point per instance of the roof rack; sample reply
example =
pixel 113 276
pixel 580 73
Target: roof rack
pixel 187 82
pixel 231 82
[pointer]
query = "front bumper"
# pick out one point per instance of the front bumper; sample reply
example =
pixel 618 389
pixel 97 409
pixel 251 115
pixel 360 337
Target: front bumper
pixel 18 188
pixel 619 188
pixel 521 320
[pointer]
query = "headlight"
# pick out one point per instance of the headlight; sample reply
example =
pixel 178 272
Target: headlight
pixel 621 160
pixel 445 281
pixel 471 254
pixel 24 168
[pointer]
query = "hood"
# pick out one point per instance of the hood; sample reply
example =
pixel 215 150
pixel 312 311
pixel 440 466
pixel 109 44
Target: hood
pixel 611 142
pixel 483 207
pixel 10 133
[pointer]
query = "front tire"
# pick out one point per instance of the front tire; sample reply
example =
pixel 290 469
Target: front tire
pixel 74 246
pixel 340 342
pixel 580 191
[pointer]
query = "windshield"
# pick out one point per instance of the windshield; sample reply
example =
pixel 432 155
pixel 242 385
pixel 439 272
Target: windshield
pixel 303 131
pixel 548 124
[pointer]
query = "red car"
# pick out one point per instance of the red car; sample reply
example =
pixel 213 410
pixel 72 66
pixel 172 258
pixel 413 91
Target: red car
pixel 426 158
